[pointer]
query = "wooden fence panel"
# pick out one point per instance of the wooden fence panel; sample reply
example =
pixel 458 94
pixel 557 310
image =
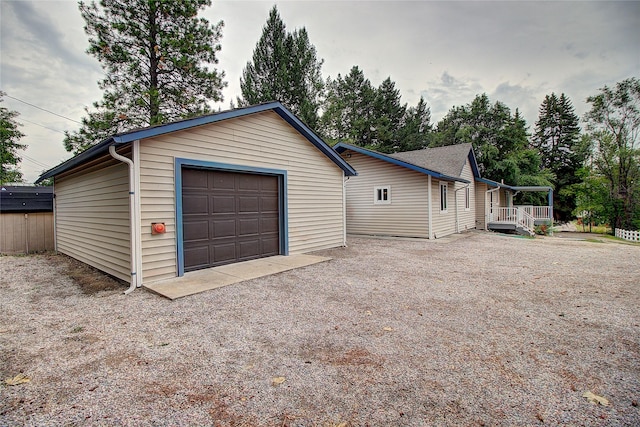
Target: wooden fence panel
pixel 26 232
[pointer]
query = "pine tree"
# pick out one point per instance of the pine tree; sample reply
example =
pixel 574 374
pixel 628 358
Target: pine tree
pixel 348 110
pixel 557 138
pixel 284 68
pixel 389 114
pixel 9 145
pixel 158 57
pixel 416 130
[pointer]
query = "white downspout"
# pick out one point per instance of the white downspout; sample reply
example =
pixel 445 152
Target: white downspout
pixel 55 218
pixel 132 217
pixel 136 205
pixel 486 209
pixel 344 210
pixel 429 207
pixel 455 194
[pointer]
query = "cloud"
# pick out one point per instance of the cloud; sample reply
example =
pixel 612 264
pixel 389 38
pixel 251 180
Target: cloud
pixel 43 63
pixel 525 99
pixel 448 91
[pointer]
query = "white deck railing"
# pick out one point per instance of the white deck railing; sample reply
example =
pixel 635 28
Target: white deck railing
pixel 515 215
pixel 538 212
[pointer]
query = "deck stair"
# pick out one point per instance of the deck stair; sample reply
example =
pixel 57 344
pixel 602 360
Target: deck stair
pixel 518 219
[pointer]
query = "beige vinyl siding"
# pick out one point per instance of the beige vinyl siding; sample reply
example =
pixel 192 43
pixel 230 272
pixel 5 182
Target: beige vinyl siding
pixel 406 215
pixel 92 218
pixel 263 140
pixel 444 223
pixel 466 218
pixel 481 195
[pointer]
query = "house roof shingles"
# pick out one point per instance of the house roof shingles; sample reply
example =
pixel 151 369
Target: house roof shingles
pixel 449 160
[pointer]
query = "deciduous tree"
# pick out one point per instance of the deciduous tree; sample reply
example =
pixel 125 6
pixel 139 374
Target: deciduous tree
pixel 613 123
pixel 10 137
pixel 499 139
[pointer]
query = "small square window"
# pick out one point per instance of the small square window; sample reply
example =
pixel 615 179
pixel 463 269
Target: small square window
pixel 382 195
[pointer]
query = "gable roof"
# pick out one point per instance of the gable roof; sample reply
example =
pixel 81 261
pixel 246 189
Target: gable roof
pixel 409 163
pixel 126 137
pixel 449 160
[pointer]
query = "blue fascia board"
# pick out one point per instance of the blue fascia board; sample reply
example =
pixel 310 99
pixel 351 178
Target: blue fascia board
pixel 474 164
pixel 495 183
pixel 515 187
pixel 341 147
pixel 150 132
pixel 280 109
pixel 90 153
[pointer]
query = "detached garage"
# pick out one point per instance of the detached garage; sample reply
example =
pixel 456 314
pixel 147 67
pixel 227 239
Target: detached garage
pixel 154 203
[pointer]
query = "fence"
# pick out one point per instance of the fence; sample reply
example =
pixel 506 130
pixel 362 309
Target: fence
pixel 26 232
pixel 633 236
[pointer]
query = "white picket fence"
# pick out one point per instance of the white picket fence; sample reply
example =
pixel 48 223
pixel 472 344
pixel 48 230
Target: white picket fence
pixel 633 236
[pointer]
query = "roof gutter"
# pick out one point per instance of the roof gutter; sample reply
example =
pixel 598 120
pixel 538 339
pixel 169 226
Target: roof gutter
pixel 133 215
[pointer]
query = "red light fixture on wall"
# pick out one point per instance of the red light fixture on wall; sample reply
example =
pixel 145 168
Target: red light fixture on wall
pixel 158 228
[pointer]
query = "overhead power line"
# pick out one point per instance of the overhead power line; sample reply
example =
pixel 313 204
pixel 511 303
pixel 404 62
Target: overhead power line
pixel 34 161
pixel 22 119
pixel 43 109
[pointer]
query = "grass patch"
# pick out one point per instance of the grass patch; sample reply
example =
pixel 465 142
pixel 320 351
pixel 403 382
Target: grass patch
pixel 598 229
pixel 592 240
pixel 619 240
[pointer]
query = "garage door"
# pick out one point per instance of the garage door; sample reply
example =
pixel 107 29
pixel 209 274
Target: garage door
pixel 228 217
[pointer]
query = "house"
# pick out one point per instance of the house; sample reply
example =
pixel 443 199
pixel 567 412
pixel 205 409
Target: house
pixel 500 214
pixel 26 219
pixel 154 203
pixel 428 193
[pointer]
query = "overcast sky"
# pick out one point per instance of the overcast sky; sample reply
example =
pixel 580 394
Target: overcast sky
pixel 448 52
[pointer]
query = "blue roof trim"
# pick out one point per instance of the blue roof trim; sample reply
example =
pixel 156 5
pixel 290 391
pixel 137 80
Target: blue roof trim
pixel 494 183
pixel 515 187
pixel 474 164
pixel 342 147
pixel 149 132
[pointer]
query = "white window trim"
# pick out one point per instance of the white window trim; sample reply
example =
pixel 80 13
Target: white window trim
pixel 446 195
pixel 467 199
pixel 382 188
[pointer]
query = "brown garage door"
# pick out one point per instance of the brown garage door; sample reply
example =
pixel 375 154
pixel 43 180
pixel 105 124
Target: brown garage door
pixel 228 217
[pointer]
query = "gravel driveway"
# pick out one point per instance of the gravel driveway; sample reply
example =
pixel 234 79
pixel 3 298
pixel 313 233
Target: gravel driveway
pixel 484 330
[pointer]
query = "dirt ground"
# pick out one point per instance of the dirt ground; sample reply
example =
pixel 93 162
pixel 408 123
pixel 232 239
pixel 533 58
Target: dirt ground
pixel 479 329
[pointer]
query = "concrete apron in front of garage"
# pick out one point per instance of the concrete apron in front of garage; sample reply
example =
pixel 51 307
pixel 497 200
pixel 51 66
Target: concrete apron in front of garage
pixel 217 277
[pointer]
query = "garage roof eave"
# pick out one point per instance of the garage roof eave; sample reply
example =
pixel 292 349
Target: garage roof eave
pixel 89 154
pixel 150 132
pixel 342 147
